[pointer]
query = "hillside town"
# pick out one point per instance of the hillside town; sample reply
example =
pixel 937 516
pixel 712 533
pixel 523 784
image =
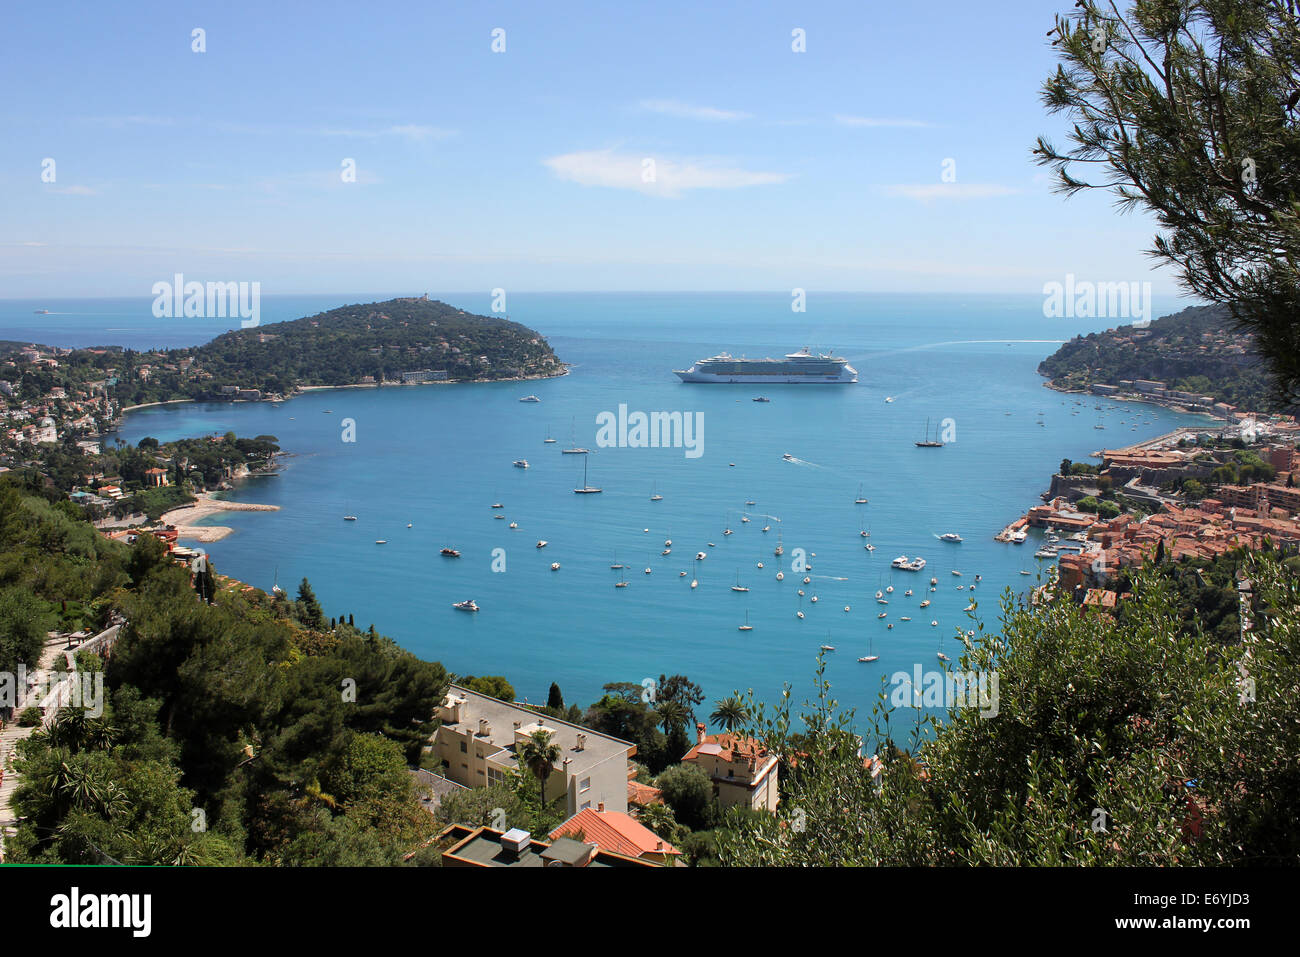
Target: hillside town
pixel 1195 493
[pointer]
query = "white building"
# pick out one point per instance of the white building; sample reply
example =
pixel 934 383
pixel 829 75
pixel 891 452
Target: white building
pixel 481 737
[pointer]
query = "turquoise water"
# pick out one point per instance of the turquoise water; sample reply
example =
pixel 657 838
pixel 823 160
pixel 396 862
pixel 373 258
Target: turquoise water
pixel 439 456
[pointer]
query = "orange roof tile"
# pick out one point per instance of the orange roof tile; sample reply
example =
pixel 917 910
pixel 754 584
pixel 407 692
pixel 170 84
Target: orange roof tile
pixel 614 831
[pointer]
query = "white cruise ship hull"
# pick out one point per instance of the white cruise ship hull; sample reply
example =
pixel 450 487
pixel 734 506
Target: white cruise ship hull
pixel 846 375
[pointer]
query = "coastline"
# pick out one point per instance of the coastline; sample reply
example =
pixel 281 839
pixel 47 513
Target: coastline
pixel 184 517
pixel 145 405
pixel 300 389
pixel 1130 397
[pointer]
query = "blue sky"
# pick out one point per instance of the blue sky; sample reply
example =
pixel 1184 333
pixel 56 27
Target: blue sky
pixel 523 169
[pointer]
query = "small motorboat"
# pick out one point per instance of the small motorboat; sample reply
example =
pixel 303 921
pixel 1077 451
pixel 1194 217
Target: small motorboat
pixel 788 457
pixel 451 553
pixel 520 463
pixel 869 658
pixel 700 556
pixel 542 543
pixel 555 566
pixel 497 505
pixel 514 524
pixel 349 518
pixel 381 541
pixel 780 576
pixel 761 398
pixel 466 605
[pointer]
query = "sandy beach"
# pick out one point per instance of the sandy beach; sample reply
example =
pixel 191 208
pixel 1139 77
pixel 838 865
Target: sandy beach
pixel 183 518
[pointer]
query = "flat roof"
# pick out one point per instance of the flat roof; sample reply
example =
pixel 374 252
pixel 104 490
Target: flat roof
pixel 501 715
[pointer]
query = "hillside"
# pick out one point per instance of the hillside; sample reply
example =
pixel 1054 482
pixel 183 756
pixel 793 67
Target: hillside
pixel 362 343
pixel 382 340
pixel 1197 350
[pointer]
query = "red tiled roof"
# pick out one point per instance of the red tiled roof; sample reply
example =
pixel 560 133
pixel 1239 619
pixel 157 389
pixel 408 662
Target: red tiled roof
pixel 614 831
pixel 732 747
pixel 643 794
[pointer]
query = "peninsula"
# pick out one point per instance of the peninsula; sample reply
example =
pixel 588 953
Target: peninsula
pixel 1196 359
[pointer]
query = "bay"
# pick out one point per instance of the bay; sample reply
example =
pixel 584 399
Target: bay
pixel 438 457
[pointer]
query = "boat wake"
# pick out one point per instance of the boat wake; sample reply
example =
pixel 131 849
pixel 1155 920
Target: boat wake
pixel 795 460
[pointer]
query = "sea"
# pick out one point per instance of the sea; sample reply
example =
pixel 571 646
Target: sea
pixel 421 467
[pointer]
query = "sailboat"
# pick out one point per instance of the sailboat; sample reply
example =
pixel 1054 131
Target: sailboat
pixel 586 489
pixel 549 440
pixel 746 626
pixel 738 586
pixel 275 586
pixel 941 656
pixel 654 492
pixel 622 579
pixel 780 546
pixel 928 443
pixel 859 500
pixel 871 653
pixel 575 450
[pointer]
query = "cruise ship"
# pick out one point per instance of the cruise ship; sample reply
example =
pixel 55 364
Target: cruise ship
pixel 801 366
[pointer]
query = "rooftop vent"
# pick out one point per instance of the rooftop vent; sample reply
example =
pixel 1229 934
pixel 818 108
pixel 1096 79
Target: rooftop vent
pixel 516 840
pixel 484 728
pixel 582 742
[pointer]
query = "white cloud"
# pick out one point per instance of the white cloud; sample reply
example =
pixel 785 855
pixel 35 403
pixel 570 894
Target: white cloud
pixel 411 131
pixel 929 192
pixel 667 177
pixel 687 111
pixel 844 120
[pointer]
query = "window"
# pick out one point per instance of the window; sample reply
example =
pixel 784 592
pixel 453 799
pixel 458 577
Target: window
pixel 463 748
pixel 495 777
pixel 584 785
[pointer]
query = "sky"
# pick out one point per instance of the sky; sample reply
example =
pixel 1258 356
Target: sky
pixel 387 147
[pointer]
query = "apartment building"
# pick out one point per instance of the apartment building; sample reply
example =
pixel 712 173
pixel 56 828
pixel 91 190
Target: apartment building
pixel 480 740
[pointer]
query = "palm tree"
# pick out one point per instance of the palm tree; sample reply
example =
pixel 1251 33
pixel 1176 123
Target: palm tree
pixel 671 714
pixel 661 819
pixel 540 755
pixel 731 713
